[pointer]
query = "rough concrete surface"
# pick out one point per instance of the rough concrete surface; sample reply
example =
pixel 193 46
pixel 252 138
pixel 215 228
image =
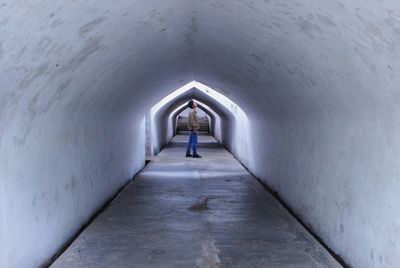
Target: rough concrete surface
pixel 184 212
pixel 317 79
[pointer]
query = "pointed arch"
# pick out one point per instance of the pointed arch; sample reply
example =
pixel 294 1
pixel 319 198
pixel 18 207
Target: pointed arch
pixel 234 123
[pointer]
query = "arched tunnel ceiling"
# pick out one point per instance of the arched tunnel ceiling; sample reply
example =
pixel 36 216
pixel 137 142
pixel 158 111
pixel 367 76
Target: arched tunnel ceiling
pixel 297 55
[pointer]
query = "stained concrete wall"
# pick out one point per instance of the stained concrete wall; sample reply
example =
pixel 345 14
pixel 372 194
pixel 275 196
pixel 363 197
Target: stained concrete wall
pixel 71 127
pixel 322 97
pixel 317 80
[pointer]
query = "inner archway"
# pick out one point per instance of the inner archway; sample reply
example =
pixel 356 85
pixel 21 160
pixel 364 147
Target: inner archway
pixel 232 124
pixel 214 118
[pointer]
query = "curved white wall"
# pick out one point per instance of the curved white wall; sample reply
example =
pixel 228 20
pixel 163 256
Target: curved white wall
pixel 317 80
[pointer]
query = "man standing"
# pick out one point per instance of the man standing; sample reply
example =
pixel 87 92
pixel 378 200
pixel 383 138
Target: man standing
pixel 193 125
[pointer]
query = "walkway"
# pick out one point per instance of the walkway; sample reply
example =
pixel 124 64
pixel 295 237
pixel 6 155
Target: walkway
pixel 182 212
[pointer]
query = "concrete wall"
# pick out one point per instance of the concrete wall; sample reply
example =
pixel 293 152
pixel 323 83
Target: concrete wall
pixel 317 80
pixel 71 127
pixel 57 178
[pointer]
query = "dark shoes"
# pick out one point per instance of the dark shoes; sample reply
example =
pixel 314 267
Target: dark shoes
pixel 194 156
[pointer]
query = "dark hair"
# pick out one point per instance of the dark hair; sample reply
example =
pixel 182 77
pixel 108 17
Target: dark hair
pixel 190 104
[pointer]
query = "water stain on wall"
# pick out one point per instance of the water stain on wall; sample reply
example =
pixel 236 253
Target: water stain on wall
pixel 91 45
pixel 43 44
pixel 325 20
pixel 71 185
pixel 33 74
pixel 87 28
pixel 56 23
pixel 60 91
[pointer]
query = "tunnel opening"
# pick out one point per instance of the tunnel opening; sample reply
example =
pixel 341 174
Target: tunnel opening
pixel 213 118
pixel 223 119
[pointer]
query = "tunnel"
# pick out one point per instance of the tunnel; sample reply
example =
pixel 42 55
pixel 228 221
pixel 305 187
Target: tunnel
pixel 316 81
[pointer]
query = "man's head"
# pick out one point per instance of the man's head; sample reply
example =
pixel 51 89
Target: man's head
pixel 192 104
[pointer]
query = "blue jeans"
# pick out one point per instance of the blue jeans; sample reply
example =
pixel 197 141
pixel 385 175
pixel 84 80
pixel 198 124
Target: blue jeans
pixel 192 143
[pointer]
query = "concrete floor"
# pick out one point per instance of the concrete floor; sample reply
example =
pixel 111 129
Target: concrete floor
pixel 161 220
